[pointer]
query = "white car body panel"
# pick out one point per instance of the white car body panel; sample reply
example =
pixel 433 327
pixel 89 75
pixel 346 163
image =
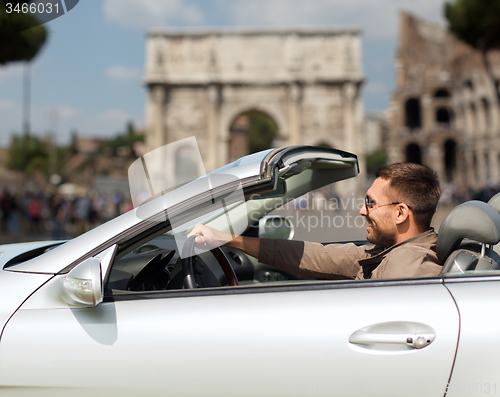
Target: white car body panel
pixel 477 300
pixel 15 288
pixel 247 344
pixel 271 339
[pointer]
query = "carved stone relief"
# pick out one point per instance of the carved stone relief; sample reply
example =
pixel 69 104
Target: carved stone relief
pixel 335 118
pixel 310 117
pixel 182 116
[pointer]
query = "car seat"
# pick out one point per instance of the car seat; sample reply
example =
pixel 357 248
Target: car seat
pixel 463 238
pixel 495 202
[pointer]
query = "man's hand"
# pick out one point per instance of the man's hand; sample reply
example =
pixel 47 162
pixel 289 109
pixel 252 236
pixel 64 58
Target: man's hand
pixel 208 238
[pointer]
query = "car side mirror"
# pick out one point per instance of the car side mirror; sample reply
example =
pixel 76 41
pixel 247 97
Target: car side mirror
pixel 275 226
pixel 82 286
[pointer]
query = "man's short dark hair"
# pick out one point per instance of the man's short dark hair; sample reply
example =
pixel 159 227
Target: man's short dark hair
pixel 415 185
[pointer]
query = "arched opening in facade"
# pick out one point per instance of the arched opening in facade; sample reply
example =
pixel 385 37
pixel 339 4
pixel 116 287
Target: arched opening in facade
pixel 251 132
pixel 443 116
pixel 413 154
pixel 413 117
pixel 487 115
pixel 450 159
pixel 442 93
pixel 473 119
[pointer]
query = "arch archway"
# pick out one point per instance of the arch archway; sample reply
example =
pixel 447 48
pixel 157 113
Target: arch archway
pixel 251 132
pixel 413 117
pixel 413 154
pixel 443 116
pixel 442 93
pixel 486 109
pixel 450 159
pixel 473 119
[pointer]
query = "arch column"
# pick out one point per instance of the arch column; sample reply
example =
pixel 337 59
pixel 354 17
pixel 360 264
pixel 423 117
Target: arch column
pixel 435 160
pixel 467 120
pixel 294 102
pixel 427 114
pixel 494 165
pixel 481 167
pixel 461 166
pixel 349 92
pixel 215 141
pixel 481 118
pixel 351 127
pixel 396 154
pixel 470 176
pixel 157 100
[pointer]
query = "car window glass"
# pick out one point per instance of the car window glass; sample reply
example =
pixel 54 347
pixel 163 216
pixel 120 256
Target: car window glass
pixel 325 215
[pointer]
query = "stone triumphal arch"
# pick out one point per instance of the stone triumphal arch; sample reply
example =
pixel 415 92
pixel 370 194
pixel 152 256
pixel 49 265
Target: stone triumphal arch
pixel 306 80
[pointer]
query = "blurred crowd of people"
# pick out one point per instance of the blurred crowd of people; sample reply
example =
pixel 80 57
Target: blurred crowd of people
pixel 41 216
pixel 454 195
pixel 37 215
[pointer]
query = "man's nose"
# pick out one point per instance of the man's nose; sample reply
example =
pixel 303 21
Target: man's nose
pixel 362 211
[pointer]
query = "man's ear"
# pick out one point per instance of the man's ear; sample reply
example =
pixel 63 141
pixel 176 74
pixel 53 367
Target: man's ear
pixel 403 212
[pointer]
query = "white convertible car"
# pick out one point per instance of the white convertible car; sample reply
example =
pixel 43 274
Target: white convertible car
pixel 126 310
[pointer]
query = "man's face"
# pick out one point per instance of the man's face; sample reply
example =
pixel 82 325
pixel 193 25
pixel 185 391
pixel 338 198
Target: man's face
pixel 381 224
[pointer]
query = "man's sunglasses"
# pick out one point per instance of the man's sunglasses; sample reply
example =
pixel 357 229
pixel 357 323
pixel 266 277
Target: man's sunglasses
pixel 370 205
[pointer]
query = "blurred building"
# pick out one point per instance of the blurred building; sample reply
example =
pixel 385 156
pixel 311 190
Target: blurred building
pixel 91 167
pixel 376 132
pixel 307 81
pixel 444 111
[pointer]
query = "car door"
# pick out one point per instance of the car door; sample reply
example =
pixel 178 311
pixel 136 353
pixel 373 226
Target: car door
pixel 476 369
pixel 315 337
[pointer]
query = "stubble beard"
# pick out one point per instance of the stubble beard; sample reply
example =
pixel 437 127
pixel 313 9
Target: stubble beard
pixel 384 239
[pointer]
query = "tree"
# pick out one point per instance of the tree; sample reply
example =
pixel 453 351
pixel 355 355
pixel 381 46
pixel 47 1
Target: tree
pixel 262 131
pixel 375 160
pixel 127 139
pixel 28 154
pixel 477 22
pixel 26 43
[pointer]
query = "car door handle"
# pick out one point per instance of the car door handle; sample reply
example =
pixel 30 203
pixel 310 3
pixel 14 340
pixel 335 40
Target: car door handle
pixel 416 340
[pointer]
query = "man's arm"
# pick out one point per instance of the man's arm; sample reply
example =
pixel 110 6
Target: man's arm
pixel 208 238
pixel 308 259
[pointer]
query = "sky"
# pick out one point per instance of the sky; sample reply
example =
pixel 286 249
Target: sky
pixel 88 77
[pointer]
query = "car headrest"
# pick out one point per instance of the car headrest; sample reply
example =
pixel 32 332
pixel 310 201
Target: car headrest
pixel 495 202
pixel 474 220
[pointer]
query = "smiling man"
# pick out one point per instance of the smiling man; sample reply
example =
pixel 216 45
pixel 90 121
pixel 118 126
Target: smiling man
pixel 398 208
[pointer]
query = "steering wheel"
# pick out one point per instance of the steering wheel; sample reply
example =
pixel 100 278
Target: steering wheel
pixel 188 259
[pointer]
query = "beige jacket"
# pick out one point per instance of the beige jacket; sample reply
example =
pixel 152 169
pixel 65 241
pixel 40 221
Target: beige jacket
pixel 415 257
